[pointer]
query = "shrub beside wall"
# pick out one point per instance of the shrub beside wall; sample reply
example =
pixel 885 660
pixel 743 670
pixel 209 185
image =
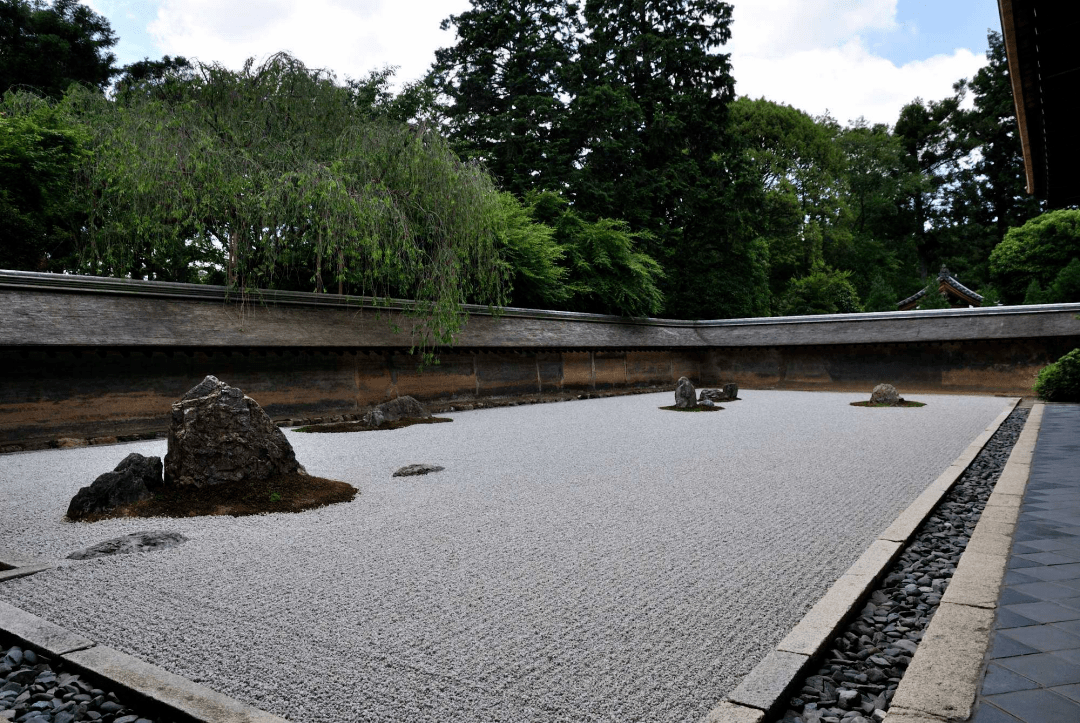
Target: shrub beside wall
pixel 1060 381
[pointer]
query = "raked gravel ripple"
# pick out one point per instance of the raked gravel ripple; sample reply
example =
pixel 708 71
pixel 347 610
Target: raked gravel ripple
pixel 599 560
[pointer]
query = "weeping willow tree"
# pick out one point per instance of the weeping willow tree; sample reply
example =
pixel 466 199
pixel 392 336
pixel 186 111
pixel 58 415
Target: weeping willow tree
pixel 276 176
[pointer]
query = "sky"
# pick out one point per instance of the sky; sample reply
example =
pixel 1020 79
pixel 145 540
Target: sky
pixel 850 58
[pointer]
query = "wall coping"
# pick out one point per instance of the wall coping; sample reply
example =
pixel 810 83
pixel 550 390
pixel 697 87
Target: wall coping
pixel 38 281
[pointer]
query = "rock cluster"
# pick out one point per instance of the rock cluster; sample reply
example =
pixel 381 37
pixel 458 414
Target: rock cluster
pixel 728 393
pixel 885 394
pixel 135 478
pixel 218 434
pixel 398 408
pixel 33 690
pixel 868 658
pixel 135 542
pixel 685 395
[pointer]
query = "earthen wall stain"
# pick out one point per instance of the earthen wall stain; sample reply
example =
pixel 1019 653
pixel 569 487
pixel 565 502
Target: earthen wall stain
pixel 577 371
pixel 98 393
pixel 645 368
pixel 609 370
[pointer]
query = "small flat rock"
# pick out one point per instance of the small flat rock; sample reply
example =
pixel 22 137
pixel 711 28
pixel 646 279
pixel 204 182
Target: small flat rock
pixel 135 542
pixel 415 469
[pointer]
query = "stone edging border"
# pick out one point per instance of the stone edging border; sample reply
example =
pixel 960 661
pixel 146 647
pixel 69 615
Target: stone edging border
pixel 146 683
pixel 762 691
pixel 942 681
pixel 14 564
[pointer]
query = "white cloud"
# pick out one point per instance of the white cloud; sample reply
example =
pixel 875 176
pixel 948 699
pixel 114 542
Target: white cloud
pixel 777 28
pixel 849 82
pixel 809 54
pixel 349 37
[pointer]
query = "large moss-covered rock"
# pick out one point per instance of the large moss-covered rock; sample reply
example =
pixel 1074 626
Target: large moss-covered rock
pixel 218 434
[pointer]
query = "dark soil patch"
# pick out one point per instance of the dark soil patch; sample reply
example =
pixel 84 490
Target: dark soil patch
pixel 673 408
pixel 361 427
pixel 284 493
pixel 901 403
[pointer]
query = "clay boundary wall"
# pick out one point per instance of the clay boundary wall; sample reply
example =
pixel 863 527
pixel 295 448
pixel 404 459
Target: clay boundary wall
pixel 90 358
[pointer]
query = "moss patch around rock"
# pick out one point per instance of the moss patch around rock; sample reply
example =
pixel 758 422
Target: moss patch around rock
pixel 283 493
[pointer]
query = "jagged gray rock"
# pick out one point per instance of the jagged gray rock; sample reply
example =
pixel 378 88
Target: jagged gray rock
pixel 134 479
pixel 884 394
pixel 685 395
pixel 399 408
pixel 135 542
pixel 218 435
pixel 415 469
pixel 728 393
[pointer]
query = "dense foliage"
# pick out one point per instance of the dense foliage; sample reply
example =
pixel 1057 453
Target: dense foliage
pixel 46 48
pixel 1035 255
pixel 40 154
pixel 588 156
pixel 1060 381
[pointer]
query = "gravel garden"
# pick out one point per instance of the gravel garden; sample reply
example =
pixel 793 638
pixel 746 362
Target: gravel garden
pixel 594 560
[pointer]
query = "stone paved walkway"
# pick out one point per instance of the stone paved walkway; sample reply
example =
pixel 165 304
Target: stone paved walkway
pixel 1033 674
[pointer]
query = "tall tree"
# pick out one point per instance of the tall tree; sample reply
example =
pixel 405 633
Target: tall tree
pixel 932 147
pixel 46 48
pixel 650 118
pixel 879 186
pixel 805 215
pixel 504 87
pixel 990 195
pixel 40 214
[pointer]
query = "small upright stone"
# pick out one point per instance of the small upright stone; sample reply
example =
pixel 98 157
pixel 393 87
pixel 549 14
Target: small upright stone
pixel 134 479
pixel 218 435
pixel 885 394
pixel 685 395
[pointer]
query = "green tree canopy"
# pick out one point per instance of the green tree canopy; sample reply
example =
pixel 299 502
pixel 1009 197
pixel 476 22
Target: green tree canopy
pixel 931 148
pixel 988 194
pixel 40 154
pixel 46 48
pixel 1036 252
pixel 504 88
pixel 822 291
pixel 277 176
pixel 804 173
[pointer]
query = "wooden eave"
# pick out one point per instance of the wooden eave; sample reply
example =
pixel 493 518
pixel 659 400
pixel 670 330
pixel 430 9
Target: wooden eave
pixel 1044 69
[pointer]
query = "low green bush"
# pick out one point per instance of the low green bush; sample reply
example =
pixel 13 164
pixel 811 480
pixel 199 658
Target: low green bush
pixel 1060 381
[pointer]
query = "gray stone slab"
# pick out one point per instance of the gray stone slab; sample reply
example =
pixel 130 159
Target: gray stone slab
pixel 38 633
pixel 765 686
pixel 818 625
pixel 977 580
pixel 24 571
pixel 166 689
pixel 945 674
pixel 728 712
pixel 10 557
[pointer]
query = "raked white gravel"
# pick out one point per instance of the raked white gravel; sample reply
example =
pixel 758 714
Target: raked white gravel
pixel 598 560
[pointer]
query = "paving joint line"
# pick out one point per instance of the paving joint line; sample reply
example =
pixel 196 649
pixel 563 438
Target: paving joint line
pixel 764 689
